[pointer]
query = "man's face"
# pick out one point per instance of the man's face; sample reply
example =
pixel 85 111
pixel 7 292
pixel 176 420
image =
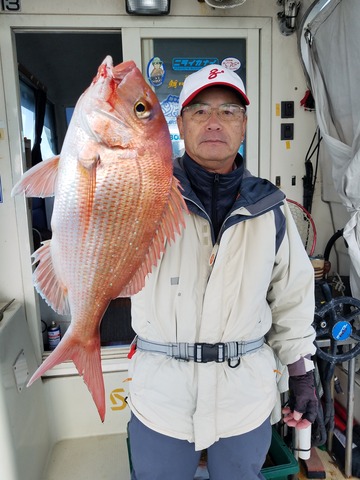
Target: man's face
pixel 213 142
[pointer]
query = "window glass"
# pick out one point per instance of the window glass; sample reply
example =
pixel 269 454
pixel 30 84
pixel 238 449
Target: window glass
pixel 27 101
pixel 69 113
pixel 48 143
pixel 174 59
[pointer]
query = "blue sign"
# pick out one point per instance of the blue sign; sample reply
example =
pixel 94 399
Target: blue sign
pixel 341 330
pixel 156 71
pixel 170 108
pixel 192 64
pixel 1 194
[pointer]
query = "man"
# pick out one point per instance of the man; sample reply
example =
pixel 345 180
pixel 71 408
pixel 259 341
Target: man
pixel 232 292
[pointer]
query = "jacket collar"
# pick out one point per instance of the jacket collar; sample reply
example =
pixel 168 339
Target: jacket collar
pixel 257 195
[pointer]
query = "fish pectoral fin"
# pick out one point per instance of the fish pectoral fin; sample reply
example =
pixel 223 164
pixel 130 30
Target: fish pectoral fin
pixel 87 359
pixel 170 224
pixel 89 155
pixel 47 283
pixel 40 180
pixel 87 163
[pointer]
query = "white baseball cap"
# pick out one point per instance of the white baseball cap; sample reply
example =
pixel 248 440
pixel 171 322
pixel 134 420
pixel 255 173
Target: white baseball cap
pixel 207 77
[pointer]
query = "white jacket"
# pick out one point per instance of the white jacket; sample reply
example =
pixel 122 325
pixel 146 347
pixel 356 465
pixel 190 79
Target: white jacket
pixel 253 288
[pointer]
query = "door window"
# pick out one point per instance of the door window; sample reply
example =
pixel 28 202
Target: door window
pixel 173 59
pixel 27 100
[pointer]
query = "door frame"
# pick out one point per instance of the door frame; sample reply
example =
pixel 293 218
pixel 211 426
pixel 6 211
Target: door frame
pixel 15 247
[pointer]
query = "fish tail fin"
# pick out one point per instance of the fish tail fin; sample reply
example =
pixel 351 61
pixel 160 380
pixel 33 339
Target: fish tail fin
pixel 87 359
pixel 46 281
pixel 88 363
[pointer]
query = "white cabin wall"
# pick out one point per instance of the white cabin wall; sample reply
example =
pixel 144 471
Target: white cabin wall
pixel 287 83
pixel 15 246
pixel 288 159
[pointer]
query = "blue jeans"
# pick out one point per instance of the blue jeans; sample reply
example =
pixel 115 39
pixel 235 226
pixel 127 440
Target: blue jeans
pixel 158 457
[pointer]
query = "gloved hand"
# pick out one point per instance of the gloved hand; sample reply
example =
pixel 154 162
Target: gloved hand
pixel 302 406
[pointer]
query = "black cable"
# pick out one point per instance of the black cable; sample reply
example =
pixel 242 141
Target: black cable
pixel 307 184
pixel 318 433
pixel 44 328
pixel 311 144
pixel 332 240
pixel 317 158
pixel 309 180
pixel 329 413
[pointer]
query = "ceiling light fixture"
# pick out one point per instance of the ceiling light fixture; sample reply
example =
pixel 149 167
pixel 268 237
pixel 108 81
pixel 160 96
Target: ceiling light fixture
pixel 148 7
pixel 225 3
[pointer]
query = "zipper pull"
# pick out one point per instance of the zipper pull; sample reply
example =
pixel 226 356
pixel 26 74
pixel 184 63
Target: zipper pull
pixel 213 254
pixel 132 349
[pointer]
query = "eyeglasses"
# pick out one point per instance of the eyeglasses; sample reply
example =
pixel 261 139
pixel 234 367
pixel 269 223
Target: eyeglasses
pixel 228 112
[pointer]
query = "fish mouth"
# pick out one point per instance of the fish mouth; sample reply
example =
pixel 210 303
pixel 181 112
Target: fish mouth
pixel 122 70
pixel 118 73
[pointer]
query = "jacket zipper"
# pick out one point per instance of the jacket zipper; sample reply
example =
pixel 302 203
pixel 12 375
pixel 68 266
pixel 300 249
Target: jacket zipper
pixel 215 191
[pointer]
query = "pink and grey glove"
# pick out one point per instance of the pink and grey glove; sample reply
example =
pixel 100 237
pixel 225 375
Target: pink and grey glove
pixel 303 404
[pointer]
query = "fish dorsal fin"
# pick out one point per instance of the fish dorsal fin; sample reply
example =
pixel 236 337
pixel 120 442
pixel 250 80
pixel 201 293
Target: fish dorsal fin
pixel 46 281
pixel 171 223
pixel 40 180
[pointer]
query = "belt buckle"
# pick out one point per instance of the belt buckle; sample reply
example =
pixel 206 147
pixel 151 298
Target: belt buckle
pixel 209 352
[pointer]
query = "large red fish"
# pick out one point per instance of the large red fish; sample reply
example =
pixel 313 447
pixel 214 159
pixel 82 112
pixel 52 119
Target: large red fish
pixel 116 204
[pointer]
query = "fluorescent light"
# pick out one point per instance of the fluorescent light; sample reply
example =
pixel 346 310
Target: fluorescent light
pixel 148 7
pixel 224 3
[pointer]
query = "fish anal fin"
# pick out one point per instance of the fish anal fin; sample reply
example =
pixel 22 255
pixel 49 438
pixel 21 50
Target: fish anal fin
pixel 47 283
pixel 172 221
pixel 87 359
pixel 40 180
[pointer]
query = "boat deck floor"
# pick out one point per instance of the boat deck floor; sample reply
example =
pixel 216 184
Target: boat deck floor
pixel 106 458
pixel 102 457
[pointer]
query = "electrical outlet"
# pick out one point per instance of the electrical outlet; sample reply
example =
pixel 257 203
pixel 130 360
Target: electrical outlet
pixel 287 131
pixel 287 109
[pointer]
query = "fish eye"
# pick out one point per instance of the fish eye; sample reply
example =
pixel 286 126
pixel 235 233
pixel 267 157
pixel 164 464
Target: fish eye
pixel 141 110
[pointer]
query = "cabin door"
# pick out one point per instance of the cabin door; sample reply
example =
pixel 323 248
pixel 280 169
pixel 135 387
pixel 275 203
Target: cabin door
pixel 168 56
